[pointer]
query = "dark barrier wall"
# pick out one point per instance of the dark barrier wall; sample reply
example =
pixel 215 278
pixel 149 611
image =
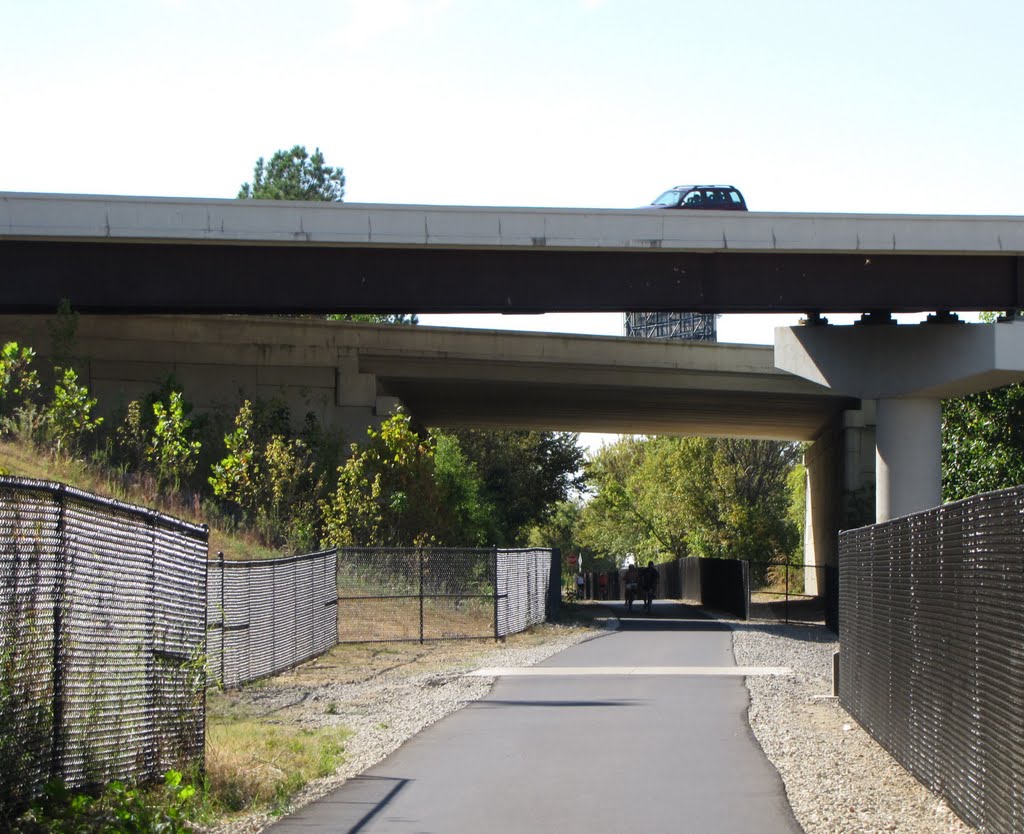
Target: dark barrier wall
pixel 722 584
pixel 669 582
pixel 931 661
pixel 689 579
pixel 725 586
pixel 554 600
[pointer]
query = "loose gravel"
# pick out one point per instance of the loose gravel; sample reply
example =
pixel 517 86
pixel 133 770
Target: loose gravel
pixel 837 778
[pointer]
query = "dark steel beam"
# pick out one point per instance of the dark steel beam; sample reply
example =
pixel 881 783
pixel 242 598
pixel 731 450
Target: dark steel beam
pixel 114 276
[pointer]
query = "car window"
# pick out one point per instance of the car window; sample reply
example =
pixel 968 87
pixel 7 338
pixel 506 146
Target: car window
pixel 693 199
pixel 736 198
pixel 714 198
pixel 669 198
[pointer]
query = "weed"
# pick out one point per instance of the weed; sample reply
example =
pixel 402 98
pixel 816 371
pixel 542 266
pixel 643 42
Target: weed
pixel 252 764
pixel 117 809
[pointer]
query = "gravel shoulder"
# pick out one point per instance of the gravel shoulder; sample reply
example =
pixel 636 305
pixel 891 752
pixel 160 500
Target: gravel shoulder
pixel 838 779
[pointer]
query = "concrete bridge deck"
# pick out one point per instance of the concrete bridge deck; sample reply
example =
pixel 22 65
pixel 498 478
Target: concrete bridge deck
pixel 110 254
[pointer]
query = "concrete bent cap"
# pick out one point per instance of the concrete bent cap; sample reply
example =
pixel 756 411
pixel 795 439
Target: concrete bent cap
pixel 934 361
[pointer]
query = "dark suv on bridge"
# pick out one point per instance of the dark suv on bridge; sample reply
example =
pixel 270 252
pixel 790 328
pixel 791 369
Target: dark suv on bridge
pixel 707 197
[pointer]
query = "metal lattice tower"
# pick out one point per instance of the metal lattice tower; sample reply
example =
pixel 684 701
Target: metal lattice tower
pixel 700 327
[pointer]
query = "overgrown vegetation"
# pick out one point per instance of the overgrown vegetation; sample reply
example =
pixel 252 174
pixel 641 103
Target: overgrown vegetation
pixel 283 490
pixel 117 808
pixel 252 764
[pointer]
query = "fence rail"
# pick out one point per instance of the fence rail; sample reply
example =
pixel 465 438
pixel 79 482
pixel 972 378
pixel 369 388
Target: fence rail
pixel 265 616
pixel 931 662
pixel 401 594
pixel 101 651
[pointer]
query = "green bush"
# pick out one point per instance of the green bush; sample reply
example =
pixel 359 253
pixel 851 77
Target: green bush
pixel 69 417
pixel 117 809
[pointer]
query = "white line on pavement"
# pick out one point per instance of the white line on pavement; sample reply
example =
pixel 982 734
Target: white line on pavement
pixel 707 671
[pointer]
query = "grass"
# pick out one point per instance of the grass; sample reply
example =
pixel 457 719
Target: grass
pixel 257 762
pixel 24 461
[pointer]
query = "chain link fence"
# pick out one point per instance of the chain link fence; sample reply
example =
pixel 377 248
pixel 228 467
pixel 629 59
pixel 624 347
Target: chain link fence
pixel 398 594
pixel 524 577
pixel 931 614
pixel 265 616
pixel 101 648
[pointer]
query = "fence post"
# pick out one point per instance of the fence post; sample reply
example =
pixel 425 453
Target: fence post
pixel 273 619
pixel 60 590
pixel 787 590
pixel 419 553
pixel 223 618
pixel 494 557
pixel 151 752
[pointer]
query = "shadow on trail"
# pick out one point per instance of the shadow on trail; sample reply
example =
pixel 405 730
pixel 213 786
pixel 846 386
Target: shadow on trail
pixel 491 703
pixel 349 811
pixel 666 615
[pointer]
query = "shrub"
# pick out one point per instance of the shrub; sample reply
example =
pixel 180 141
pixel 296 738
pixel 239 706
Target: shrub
pixel 69 417
pixel 117 809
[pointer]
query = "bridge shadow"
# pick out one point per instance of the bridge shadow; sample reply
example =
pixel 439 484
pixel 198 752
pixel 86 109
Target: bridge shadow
pixel 347 810
pixel 665 615
pixel 495 703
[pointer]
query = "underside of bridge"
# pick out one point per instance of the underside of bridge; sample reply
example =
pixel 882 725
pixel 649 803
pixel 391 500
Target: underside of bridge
pixel 351 374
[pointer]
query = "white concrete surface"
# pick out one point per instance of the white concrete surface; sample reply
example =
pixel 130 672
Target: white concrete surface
pixel 907 370
pixel 922 360
pixel 908 456
pixel 87 217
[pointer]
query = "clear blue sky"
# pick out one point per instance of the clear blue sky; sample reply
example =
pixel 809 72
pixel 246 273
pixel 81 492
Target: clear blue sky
pixel 805 105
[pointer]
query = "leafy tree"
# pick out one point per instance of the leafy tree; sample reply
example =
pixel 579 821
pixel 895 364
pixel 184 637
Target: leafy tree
pixel 401 489
pixel 270 478
pixel 667 497
pixel 19 383
pixel 69 415
pixel 387 495
pixel 525 474
pixel 461 490
pixel 983 442
pixel 295 175
pixel 376 318
pixel 171 449
pixel 560 530
pixel 983 439
pixel 641 503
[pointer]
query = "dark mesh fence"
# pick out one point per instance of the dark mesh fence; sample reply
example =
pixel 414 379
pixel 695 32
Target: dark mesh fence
pixel 101 639
pixel 931 615
pixel 392 594
pixel 268 615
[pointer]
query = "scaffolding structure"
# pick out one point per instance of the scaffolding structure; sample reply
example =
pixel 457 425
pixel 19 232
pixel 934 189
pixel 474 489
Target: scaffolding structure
pixel 700 327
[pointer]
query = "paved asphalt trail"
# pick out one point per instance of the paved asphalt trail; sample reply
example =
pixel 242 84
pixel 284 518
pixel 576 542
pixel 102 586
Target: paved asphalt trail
pixel 602 754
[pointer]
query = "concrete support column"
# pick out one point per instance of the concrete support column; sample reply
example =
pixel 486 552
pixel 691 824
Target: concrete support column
pixel 908 456
pixel 908 370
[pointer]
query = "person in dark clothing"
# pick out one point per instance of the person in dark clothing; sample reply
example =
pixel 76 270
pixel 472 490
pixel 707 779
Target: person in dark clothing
pixel 648 584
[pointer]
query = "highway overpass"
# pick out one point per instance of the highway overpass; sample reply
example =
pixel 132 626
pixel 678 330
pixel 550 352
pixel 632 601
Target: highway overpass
pixel 145 254
pixel 118 255
pixel 351 374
